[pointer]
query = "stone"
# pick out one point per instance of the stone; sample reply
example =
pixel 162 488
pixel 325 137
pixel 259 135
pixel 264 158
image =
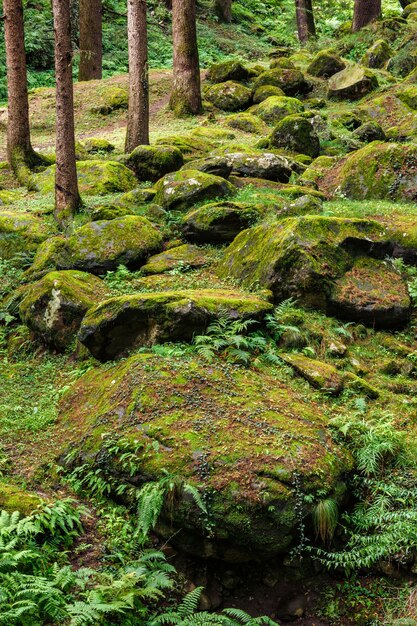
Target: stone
pixel 379 171
pixel 54 306
pixel 371 293
pixel 404 61
pixel 296 134
pixel 266 91
pixel 137 197
pixel 227 70
pixel 120 324
pixel 352 83
pixel 150 163
pixel 95 178
pixel 241 425
pixel 100 246
pixel 274 109
pixel 112 99
pixel 20 233
pixel 14 498
pixel 302 257
pixel 408 96
pixel 215 165
pixel 109 212
pixel 184 188
pixel 291 81
pixel 191 146
pixel 265 165
pixel 369 131
pixel 219 222
pixel 377 55
pixel 247 123
pixel 410 8
pixel 281 62
pixel 94 145
pixel 326 63
pixel 181 258
pixel 229 96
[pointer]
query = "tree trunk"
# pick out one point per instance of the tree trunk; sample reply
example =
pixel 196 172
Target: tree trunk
pixel 67 198
pixel 305 20
pixel 138 115
pixel 223 10
pixel 91 41
pixel 365 11
pixel 186 92
pixel 19 149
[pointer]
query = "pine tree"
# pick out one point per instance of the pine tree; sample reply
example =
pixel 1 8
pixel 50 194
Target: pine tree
pixel 91 45
pixel 365 12
pixel 305 20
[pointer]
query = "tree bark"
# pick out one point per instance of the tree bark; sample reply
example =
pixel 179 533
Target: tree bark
pixel 365 12
pixel 186 92
pixel 67 198
pixel 223 10
pixel 91 40
pixel 19 148
pixel 138 114
pixel 305 20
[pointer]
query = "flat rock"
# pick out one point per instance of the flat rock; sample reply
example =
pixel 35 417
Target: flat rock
pixel 126 322
pixel 352 83
pixel 265 165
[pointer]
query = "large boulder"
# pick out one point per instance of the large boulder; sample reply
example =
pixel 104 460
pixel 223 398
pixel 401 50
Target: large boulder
pixel 291 81
pixel 100 246
pixel 227 70
pixel 120 324
pixel 229 96
pixel 274 109
pixel 326 63
pixel 369 131
pixel 153 162
pixel 217 165
pixel 377 55
pixel 296 134
pixel 378 171
pixel 352 83
pixel 245 438
pixel 266 91
pixel 183 189
pixel 21 233
pixel 179 258
pixel 372 293
pixel 265 165
pixel 219 222
pixel 54 306
pixel 95 178
pixel 111 98
pixel 302 257
pixel 248 123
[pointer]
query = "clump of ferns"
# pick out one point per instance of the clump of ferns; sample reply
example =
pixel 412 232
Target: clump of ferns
pixel 325 519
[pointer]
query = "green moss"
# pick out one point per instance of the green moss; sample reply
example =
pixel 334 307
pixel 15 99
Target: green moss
pixel 112 99
pixel 266 91
pixel 325 64
pixel 291 81
pixel 227 70
pixel 187 187
pixel 96 145
pixel 219 221
pixel 150 163
pixel 181 258
pixel 229 96
pixel 352 83
pixel 377 55
pixel 319 374
pixel 13 498
pixel 94 178
pixel 296 134
pixel 247 123
pixel 275 108
pixel 21 233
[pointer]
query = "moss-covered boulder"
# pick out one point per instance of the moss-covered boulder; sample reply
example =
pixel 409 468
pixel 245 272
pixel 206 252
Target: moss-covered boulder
pixel 411 7
pixel 137 197
pixel 153 162
pixel 21 233
pixel 191 146
pixel 301 257
pixel 183 189
pixel 100 246
pixel 217 165
pixel 296 134
pixel 377 55
pixel 372 293
pixel 219 222
pixel 181 258
pixel 369 131
pixel 109 212
pixel 111 98
pixel 120 324
pixel 284 62
pixel 54 306
pixel 248 123
pixel 249 435
pixel 352 83
pixel 95 178
pixel 94 145
pixel 227 70
pixel 274 109
pixel 14 498
pixel 325 64
pixel 263 165
pixel 266 91
pixel 408 96
pixel 379 171
pixel 291 81
pixel 229 96
pixel 404 61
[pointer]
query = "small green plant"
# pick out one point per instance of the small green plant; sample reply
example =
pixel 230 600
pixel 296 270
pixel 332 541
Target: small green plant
pixel 325 519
